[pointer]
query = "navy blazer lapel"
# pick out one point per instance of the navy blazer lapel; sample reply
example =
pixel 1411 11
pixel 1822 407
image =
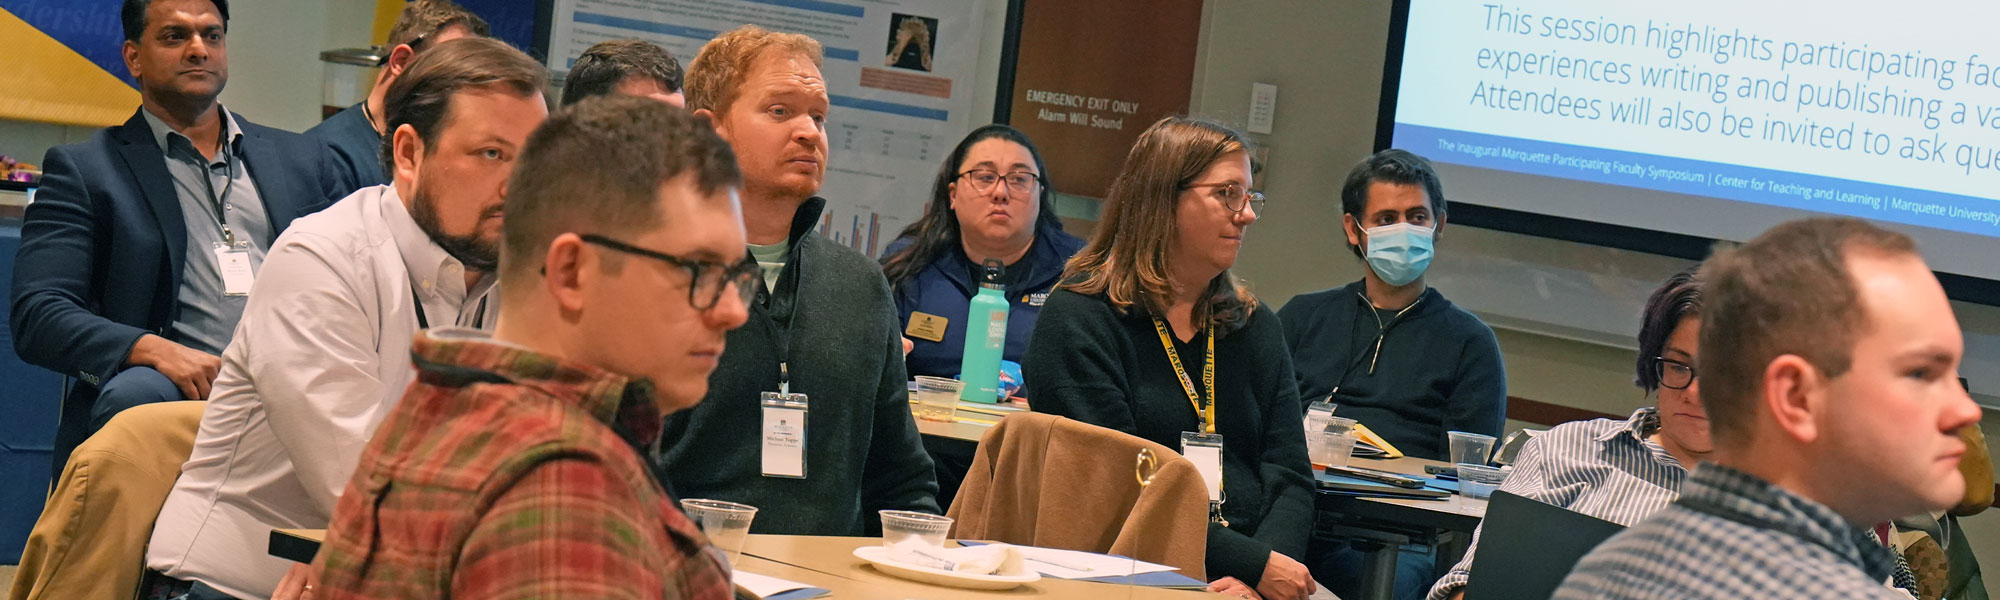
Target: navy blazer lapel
pixel 146 167
pixel 281 205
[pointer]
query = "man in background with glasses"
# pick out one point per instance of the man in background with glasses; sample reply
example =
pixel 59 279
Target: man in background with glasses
pixel 324 348
pixel 620 280
pixel 821 333
pixel 355 134
pixel 1390 351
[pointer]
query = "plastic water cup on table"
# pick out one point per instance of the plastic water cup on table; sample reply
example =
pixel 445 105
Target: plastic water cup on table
pixel 1470 448
pixel 906 528
pixel 1316 415
pixel 726 524
pixel 1479 481
pixel 1332 445
pixel 937 398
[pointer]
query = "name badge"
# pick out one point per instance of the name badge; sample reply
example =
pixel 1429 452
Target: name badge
pixel 1205 451
pixel 234 262
pixel 926 326
pixel 784 444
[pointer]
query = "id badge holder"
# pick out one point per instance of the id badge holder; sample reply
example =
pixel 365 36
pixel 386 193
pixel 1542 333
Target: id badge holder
pixel 233 260
pixel 784 444
pixel 1205 451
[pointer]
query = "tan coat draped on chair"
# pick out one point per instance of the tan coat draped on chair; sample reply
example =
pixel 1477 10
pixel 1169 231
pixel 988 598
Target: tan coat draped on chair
pixel 1047 481
pixel 90 541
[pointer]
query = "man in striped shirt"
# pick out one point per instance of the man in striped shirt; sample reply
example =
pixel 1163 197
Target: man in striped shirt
pixel 512 467
pixel 1829 359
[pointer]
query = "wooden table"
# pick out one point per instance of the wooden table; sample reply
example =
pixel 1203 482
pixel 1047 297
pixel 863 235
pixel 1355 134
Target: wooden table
pixel 1380 526
pixel 833 559
pixel 958 432
pixel 829 563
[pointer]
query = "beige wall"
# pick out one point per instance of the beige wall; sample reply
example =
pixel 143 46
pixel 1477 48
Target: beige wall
pixel 1326 58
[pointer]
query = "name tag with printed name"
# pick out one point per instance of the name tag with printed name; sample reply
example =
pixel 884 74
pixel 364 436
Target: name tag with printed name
pixel 237 275
pixel 926 326
pixel 784 433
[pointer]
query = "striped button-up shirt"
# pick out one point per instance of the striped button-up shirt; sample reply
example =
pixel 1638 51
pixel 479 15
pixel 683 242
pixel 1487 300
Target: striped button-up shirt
pixel 1608 469
pixel 504 473
pixel 1732 535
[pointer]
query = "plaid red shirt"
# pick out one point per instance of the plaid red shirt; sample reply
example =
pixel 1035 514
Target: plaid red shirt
pixel 508 474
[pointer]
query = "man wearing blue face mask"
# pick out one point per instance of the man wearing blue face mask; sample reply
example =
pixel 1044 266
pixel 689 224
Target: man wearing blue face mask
pixel 1393 353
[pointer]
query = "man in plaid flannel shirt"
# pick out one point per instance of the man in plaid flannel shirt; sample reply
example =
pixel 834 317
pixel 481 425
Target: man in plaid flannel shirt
pixel 513 466
pixel 1829 370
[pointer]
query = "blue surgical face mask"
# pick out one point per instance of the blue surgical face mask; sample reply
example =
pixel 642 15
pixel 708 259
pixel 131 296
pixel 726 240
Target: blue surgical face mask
pixel 1399 252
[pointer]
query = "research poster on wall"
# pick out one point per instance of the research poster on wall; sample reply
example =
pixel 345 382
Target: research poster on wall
pixel 899 73
pixel 1843 107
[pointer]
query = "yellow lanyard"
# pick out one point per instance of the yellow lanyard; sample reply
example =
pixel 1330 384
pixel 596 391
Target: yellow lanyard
pixel 1205 414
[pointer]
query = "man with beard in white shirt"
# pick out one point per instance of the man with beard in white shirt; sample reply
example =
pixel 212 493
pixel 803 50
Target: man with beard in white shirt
pixel 323 351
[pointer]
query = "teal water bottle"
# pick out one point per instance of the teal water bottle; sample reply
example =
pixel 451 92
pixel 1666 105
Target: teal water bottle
pixel 985 338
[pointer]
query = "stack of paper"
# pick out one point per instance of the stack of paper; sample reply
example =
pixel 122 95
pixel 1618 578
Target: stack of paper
pixel 1091 566
pixel 765 587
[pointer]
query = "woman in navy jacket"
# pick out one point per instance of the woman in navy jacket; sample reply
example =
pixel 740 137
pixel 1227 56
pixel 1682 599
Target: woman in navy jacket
pixel 991 201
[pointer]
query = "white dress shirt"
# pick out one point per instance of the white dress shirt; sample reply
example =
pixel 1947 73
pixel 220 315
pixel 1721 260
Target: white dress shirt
pixel 321 355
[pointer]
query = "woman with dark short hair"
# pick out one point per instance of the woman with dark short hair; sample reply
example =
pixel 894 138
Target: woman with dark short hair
pixel 1622 471
pixel 1150 334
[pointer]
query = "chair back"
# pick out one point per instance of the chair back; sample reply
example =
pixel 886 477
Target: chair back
pixel 1047 481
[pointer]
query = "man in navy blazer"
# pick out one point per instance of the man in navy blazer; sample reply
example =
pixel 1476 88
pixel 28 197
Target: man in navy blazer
pixel 130 275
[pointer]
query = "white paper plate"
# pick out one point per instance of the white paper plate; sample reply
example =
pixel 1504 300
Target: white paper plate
pixel 879 556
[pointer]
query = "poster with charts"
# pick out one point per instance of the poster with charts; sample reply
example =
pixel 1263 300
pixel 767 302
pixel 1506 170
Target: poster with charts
pixel 899 73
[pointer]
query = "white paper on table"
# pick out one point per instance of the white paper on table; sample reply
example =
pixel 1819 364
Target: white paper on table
pixel 1071 564
pixel 764 586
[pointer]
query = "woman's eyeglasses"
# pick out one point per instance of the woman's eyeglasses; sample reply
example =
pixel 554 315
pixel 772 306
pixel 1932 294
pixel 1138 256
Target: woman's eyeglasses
pixel 1234 196
pixel 1673 374
pixel 1019 183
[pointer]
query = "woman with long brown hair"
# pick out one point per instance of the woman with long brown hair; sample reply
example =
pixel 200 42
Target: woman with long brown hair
pixel 1151 334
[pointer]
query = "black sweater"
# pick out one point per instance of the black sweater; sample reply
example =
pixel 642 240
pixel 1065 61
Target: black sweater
pixel 863 453
pixel 1439 368
pixel 1089 363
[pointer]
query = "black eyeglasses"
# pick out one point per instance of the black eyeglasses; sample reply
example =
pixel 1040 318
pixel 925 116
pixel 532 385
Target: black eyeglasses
pixel 1673 374
pixel 709 278
pixel 1233 196
pixel 1019 183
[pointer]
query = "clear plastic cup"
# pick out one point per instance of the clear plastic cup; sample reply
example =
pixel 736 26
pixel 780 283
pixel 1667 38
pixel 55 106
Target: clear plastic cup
pixel 726 524
pixel 904 527
pixel 1471 448
pixel 937 398
pixel 1479 481
pixel 1329 449
pixel 1316 415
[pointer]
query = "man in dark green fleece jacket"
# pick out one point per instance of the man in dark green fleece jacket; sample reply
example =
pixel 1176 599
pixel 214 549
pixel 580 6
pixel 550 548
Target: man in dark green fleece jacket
pixel 824 322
